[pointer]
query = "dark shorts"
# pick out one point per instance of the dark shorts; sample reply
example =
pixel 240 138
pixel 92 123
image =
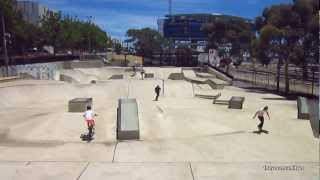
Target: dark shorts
pixel 261 122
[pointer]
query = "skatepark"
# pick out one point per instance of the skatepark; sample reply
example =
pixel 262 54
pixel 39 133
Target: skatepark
pixel 182 136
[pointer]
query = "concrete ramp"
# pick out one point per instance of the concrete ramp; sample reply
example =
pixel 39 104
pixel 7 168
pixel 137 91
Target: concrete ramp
pixel 191 76
pixel 127 120
pixel 214 83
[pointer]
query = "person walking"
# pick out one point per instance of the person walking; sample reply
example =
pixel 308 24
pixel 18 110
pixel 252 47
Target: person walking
pixel 260 113
pixel 157 90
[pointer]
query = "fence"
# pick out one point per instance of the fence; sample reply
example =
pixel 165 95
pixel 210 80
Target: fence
pixel 268 79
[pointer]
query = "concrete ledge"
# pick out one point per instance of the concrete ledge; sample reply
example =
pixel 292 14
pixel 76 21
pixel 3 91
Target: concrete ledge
pixel 236 102
pixel 9 79
pixel 176 76
pixel 303 109
pixel 117 76
pixel 127 120
pixel 66 78
pixel 149 75
pixel 79 104
pixel 216 83
pixel 203 96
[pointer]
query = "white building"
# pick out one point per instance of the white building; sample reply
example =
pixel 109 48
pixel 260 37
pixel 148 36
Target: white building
pixel 32 12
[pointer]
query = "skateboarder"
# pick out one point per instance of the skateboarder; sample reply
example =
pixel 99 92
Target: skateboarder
pixel 88 115
pixel 142 73
pixel 134 70
pixel 157 90
pixel 260 113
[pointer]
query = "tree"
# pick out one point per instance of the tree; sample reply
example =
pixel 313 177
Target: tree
pixel 22 35
pixel 117 47
pixel 289 32
pixel 184 56
pixel 52 28
pixel 230 36
pixel 146 41
pixel 70 33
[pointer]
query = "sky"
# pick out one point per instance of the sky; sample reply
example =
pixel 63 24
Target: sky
pixel 117 16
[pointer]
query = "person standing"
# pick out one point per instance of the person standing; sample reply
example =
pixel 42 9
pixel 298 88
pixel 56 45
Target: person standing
pixel 142 73
pixel 157 90
pixel 260 113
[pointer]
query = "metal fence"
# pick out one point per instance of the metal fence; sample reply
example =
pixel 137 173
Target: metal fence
pixel 268 79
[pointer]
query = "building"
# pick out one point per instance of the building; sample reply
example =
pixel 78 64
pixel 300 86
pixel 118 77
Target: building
pixel 160 23
pixel 186 28
pixel 32 12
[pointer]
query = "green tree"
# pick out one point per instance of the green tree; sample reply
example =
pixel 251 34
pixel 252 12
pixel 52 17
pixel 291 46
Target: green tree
pixel 23 35
pixel 69 33
pixel 147 41
pixel 289 31
pixel 184 56
pixel 230 36
pixel 117 47
pixel 52 28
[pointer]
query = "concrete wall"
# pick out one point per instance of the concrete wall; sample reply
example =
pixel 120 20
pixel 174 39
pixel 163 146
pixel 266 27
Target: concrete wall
pixel 43 71
pixel 83 64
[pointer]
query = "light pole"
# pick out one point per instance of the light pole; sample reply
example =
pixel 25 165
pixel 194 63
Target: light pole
pixel 6 59
pixel 89 33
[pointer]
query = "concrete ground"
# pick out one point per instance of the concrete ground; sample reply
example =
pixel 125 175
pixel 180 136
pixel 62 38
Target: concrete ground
pixel 182 137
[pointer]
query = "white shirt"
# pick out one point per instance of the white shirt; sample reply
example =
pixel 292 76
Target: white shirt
pixel 260 113
pixel 88 115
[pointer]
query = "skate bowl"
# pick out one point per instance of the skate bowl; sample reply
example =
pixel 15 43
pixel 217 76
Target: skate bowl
pixel 76 76
pixel 127 119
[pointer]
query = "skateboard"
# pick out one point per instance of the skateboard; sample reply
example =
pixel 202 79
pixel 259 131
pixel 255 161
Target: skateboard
pixel 86 137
